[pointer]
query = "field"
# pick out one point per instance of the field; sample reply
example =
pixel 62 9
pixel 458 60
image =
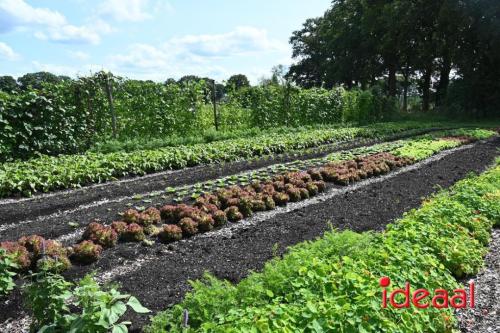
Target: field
pixel 269 218
pixel 171 166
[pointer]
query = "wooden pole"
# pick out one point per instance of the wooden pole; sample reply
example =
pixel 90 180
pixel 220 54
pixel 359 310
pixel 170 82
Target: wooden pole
pixel 109 92
pixel 216 120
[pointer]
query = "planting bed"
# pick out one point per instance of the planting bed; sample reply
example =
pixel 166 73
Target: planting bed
pixel 158 274
pixel 42 204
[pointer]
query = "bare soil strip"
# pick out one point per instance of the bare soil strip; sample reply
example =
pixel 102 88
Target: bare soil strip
pixel 14 210
pixel 159 275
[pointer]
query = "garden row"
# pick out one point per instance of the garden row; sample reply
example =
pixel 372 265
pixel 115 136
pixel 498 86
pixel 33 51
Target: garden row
pixel 333 284
pixel 418 147
pixel 215 209
pixel 73 115
pixel 45 173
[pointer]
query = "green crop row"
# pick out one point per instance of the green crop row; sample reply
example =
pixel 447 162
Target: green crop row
pixel 46 173
pixel 332 284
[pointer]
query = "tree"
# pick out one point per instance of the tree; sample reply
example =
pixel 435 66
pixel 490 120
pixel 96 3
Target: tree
pixel 8 83
pixel 170 81
pixel 36 80
pixel 189 78
pixel 359 43
pixel 237 82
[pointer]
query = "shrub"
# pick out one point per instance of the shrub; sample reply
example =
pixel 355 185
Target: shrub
pixel 189 226
pixel 170 233
pixel 86 252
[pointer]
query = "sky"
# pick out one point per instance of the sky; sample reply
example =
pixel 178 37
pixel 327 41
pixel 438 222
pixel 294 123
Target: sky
pixel 151 39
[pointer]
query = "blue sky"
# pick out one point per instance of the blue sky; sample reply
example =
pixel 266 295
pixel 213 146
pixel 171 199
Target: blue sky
pixel 150 39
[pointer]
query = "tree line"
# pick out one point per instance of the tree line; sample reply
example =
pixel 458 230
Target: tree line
pixel 447 51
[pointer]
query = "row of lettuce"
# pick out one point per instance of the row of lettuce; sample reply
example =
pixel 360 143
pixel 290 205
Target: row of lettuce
pixel 43 174
pixel 172 222
pixel 333 284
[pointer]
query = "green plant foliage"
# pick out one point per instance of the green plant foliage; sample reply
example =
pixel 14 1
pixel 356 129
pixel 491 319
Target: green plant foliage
pixel 332 284
pixel 46 173
pixel 53 301
pixel 8 268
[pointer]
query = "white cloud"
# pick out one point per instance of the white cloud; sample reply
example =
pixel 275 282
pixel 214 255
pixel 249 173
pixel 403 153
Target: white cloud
pixel 125 10
pixel 47 24
pixel 202 55
pixel 79 55
pixel 241 41
pixel 6 52
pixel 72 71
pixel 15 13
pixel 70 34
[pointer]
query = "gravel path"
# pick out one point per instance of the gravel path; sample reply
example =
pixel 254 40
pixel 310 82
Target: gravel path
pixel 485 317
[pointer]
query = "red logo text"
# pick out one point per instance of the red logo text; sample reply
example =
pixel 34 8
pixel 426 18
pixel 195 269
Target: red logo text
pixel 423 298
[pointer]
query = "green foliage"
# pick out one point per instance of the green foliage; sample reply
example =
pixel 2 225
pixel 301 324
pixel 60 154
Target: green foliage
pixel 47 296
pixel 424 148
pixel 331 284
pixel 428 145
pixel 46 173
pixel 367 106
pixel 54 300
pixel 374 43
pixel 7 272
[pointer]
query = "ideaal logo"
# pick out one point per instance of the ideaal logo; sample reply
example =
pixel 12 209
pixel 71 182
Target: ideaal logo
pixel 423 298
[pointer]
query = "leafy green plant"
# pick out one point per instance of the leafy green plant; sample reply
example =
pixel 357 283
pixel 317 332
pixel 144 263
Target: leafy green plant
pixel 47 296
pixel 7 272
pixel 59 306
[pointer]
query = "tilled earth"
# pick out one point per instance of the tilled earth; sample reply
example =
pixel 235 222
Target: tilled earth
pixel 158 275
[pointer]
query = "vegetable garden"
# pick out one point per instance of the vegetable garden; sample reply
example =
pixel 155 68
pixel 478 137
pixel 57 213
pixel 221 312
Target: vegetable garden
pixel 154 242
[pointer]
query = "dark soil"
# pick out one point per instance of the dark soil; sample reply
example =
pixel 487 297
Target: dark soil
pixel 13 210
